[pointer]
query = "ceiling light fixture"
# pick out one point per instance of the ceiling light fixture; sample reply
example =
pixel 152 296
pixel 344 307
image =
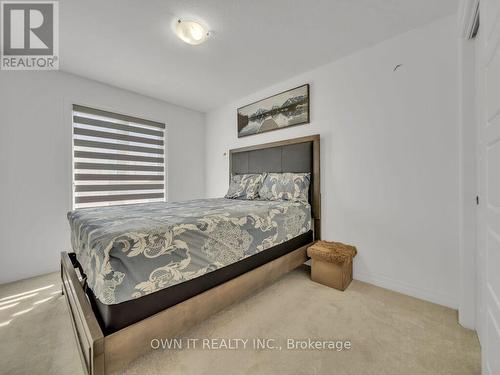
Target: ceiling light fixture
pixel 191 32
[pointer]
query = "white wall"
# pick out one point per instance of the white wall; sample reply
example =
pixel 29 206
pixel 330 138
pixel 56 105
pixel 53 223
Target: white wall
pixel 389 154
pixel 35 160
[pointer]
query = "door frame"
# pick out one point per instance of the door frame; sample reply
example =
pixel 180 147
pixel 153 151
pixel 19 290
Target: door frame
pixel 468 185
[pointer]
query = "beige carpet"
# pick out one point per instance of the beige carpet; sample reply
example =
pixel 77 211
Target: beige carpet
pixel 390 333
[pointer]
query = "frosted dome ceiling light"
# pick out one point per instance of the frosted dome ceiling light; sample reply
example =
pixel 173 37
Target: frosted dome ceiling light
pixel 191 32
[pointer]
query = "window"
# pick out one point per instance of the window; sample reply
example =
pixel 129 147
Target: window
pixel 117 159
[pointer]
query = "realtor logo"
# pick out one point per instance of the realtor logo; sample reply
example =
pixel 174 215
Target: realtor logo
pixel 29 35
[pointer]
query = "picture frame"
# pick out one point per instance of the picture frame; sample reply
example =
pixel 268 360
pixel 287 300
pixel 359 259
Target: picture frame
pixel 279 111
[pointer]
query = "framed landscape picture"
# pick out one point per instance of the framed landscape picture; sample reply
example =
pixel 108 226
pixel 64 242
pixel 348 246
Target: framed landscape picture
pixel 288 108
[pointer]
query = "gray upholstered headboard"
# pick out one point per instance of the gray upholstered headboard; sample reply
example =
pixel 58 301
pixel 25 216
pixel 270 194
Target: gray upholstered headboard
pixel 299 155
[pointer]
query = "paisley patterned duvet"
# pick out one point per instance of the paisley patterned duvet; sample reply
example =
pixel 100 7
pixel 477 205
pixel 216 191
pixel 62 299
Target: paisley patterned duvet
pixel 129 251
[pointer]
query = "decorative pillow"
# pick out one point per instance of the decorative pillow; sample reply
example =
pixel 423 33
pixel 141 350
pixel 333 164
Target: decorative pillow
pixel 286 186
pixel 244 186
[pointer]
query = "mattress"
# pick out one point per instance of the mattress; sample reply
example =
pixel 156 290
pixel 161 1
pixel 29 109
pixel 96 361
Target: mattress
pixel 115 317
pixel 131 251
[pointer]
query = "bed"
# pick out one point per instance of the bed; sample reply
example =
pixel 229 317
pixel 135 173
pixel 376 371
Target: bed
pixel 153 270
pixel 141 259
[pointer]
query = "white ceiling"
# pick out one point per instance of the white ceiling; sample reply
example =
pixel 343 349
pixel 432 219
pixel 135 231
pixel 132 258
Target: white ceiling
pixel 130 43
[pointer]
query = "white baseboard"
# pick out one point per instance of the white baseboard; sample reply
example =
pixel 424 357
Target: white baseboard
pixel 401 287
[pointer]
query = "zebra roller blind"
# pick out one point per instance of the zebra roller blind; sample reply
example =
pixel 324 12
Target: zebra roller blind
pixel 117 159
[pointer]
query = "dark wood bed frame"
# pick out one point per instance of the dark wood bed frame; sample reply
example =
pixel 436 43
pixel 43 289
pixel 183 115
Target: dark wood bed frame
pixel 102 354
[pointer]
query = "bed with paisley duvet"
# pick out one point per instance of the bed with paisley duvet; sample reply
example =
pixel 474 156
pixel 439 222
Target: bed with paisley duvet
pixel 131 251
pixel 150 270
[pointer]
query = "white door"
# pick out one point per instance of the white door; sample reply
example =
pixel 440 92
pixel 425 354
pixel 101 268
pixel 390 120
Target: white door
pixel 489 185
